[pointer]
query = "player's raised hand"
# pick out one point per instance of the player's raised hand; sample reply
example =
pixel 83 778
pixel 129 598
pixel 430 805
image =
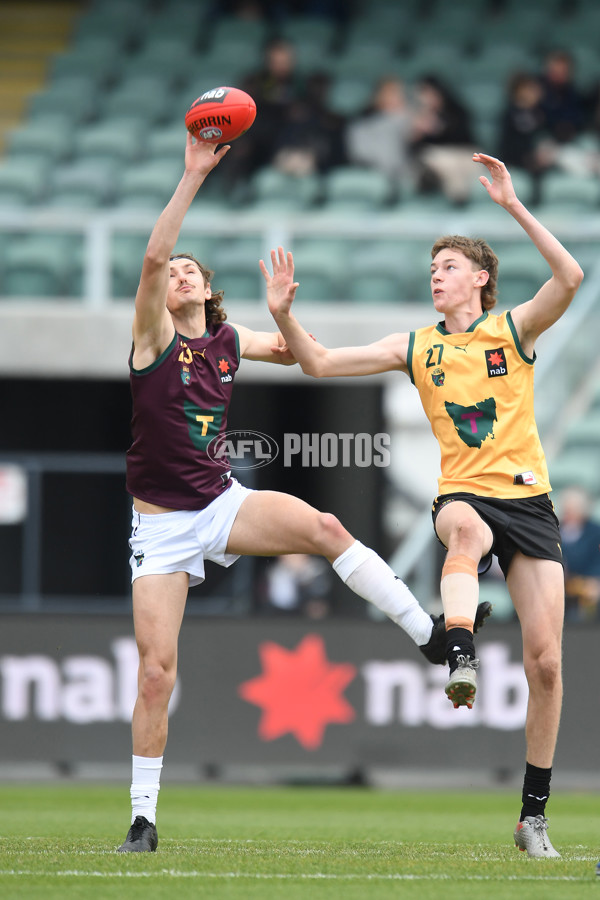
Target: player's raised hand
pixel 202 157
pixel 281 287
pixel 500 188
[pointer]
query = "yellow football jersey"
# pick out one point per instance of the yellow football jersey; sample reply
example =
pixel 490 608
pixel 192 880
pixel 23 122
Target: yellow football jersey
pixel 476 388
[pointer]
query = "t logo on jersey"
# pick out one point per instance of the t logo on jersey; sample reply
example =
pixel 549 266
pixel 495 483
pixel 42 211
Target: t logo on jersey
pixel 495 361
pixel 474 424
pixel 203 424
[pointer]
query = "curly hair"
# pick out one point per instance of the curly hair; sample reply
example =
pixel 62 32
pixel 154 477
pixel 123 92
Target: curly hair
pixel 481 254
pixel 213 307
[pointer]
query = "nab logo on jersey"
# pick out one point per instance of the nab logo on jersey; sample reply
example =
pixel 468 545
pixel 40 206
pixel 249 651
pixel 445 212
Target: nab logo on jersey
pixel 224 367
pixel 495 361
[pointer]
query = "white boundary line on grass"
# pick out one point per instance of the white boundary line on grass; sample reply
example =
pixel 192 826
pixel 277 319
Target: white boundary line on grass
pixel 310 876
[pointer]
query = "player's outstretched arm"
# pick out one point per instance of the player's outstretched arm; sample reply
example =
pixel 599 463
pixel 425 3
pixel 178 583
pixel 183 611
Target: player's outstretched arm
pixel 264 346
pixel 315 359
pixel 553 298
pixel 150 303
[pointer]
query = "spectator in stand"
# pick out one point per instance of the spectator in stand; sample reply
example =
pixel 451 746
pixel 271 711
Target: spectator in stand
pixel 523 139
pixel 274 87
pixel 309 137
pixel 297 584
pixel 442 142
pixel 381 137
pixel 580 537
pixel 562 101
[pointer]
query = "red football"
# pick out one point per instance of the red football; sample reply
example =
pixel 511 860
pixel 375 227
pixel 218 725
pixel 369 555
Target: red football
pixel 220 115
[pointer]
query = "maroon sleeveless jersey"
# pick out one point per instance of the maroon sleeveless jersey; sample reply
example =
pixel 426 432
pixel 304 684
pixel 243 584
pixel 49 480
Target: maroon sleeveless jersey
pixel 180 405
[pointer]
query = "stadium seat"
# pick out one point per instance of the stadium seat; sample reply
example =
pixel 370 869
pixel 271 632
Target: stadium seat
pixel 435 58
pixel 532 24
pixel 149 185
pixel 384 271
pixel 254 32
pixel 98 58
pixel 179 19
pixel 83 183
pixel 138 96
pixel 497 61
pixel 23 181
pixel 75 96
pixel 165 58
pixel 320 272
pixel 350 95
pixel 585 432
pixel 522 272
pixel 320 29
pixel 167 143
pixel 127 255
pixel 392 26
pixel 273 189
pixel 111 18
pixel 576 467
pixel 240 286
pixel 40 266
pixel 354 188
pixel 49 137
pixel 566 189
pixel 115 140
pixel 370 60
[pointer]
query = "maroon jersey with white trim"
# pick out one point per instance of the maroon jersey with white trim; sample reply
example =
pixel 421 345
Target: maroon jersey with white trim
pixel 180 405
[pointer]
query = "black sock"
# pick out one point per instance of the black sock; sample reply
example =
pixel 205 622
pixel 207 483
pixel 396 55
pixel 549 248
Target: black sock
pixel 459 642
pixel 536 790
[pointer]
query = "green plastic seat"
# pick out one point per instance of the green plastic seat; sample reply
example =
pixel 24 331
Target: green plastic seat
pixel 23 181
pixel 49 137
pixel 83 183
pixel 271 188
pixel 356 188
pixel 565 188
pixel 41 266
pixel 149 185
pixel 115 140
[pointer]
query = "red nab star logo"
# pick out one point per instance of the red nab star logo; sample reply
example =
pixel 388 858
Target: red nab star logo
pixel 223 365
pixel 299 692
pixel 495 361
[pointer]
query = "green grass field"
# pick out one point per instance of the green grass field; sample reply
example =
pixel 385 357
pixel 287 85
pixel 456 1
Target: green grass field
pixel 230 842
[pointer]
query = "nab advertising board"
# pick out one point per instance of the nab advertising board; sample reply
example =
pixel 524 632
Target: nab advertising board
pixel 293 693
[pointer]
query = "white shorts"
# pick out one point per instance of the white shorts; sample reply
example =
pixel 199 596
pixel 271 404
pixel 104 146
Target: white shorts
pixel 180 541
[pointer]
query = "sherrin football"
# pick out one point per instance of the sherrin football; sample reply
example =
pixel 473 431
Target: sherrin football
pixel 220 115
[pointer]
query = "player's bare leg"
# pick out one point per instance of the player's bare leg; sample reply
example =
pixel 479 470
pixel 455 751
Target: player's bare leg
pixel 467 539
pixel 158 607
pixel 537 590
pixel 270 523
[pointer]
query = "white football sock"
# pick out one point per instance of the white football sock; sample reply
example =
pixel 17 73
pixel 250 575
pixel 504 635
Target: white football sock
pixel 145 785
pixel 372 579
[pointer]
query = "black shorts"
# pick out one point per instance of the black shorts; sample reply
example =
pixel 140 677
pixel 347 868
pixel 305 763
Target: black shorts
pixel 528 524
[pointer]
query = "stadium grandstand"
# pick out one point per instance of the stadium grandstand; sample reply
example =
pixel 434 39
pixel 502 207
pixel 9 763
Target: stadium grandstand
pixel 92 102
